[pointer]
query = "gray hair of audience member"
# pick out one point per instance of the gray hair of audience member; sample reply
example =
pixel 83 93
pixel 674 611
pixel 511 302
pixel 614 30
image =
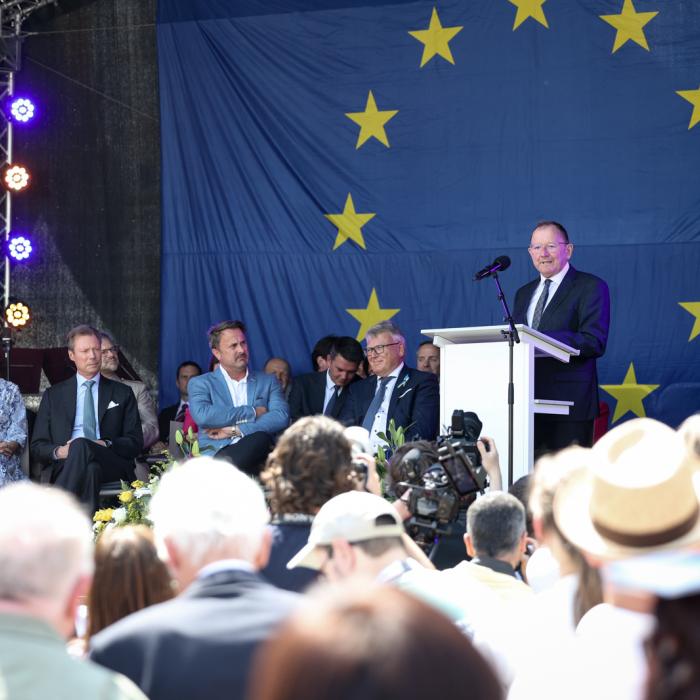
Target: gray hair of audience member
pixel 104 335
pixel 207 508
pixel 356 640
pixel 386 327
pixel 81 330
pixel 496 522
pixel 45 543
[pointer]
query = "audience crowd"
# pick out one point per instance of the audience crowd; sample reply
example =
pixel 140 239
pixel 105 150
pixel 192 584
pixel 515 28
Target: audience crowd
pixel 281 566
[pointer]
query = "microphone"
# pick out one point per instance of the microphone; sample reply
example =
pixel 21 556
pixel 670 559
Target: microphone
pixel 502 262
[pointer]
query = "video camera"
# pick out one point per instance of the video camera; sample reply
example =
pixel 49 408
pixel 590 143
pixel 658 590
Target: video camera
pixel 439 492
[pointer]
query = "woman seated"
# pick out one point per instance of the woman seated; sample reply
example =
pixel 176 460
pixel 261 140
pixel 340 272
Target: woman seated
pixel 13 432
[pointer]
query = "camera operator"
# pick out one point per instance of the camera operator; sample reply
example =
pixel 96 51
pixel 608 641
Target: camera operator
pixel 418 464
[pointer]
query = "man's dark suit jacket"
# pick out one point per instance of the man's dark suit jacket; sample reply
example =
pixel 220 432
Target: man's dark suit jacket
pixel 200 644
pixel 164 417
pixel 414 403
pixel 120 423
pixel 308 393
pixel 578 315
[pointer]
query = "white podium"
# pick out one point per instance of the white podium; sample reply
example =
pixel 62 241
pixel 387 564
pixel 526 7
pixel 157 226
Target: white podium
pixel 474 377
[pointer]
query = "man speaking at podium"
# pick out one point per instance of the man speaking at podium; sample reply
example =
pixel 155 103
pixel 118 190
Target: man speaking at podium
pixel 574 308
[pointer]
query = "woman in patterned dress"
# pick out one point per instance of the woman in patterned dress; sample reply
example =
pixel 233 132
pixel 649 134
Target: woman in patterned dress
pixel 13 432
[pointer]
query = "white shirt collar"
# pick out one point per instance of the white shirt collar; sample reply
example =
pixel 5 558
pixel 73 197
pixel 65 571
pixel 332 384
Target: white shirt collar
pixel 228 378
pixel 394 372
pixel 82 380
pixel 556 279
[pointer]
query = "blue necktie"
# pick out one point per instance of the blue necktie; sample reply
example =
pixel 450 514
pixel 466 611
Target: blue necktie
pixel 541 302
pixel 89 422
pixel 377 401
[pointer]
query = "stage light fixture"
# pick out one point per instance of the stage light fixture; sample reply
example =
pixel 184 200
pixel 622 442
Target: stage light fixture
pixel 22 109
pixel 16 177
pixel 19 248
pixel 18 314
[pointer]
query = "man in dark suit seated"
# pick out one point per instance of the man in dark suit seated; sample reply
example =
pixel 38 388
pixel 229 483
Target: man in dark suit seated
pixel 88 427
pixel 212 521
pixel 239 412
pixel 185 372
pixel 395 392
pixel 573 307
pixel 326 392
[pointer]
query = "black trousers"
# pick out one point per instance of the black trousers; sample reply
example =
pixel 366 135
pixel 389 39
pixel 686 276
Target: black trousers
pixel 87 467
pixel 554 435
pixel 249 453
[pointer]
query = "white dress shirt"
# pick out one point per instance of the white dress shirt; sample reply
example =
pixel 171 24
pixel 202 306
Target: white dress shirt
pixel 380 418
pixel 330 389
pixel 238 388
pixel 79 401
pixel 556 281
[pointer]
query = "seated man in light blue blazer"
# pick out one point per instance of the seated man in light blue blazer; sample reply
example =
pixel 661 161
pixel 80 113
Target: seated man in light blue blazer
pixel 238 412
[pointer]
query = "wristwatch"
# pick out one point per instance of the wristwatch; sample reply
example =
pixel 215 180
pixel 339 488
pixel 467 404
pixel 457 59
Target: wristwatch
pixel 236 431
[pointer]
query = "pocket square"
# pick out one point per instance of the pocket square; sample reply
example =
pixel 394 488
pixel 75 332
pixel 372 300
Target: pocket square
pixel 112 405
pixel 408 391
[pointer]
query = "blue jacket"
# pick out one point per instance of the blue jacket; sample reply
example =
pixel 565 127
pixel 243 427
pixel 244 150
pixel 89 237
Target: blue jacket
pixel 211 406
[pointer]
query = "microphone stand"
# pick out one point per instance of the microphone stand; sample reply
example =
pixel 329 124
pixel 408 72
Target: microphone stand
pixel 6 340
pixel 513 337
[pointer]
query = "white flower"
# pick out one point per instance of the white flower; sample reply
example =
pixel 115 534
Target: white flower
pixel 143 491
pixel 119 515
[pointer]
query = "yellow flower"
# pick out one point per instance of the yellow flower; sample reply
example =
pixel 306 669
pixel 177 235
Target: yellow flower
pixel 103 516
pixel 126 496
pixel 137 484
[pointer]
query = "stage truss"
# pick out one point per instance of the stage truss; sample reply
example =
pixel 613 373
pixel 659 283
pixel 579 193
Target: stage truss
pixel 12 15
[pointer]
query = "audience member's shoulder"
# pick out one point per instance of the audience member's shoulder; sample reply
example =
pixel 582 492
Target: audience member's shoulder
pixel 109 685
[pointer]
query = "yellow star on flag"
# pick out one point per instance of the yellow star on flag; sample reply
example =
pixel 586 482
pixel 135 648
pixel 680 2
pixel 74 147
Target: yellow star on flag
pixel 693 96
pixel 371 315
pixel 629 394
pixel 693 307
pixel 349 224
pixel 372 122
pixel 630 25
pixel 527 9
pixel 436 39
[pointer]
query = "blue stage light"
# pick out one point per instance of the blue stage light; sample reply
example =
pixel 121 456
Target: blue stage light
pixel 19 248
pixel 22 109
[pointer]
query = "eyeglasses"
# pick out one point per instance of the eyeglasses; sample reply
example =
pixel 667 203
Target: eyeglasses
pixel 114 350
pixel 378 349
pixel 551 247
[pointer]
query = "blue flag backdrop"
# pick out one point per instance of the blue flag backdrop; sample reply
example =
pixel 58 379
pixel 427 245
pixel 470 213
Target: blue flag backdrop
pixel 327 165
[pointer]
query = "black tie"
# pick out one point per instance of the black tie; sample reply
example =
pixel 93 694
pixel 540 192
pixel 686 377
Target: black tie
pixel 332 401
pixel 541 302
pixel 181 413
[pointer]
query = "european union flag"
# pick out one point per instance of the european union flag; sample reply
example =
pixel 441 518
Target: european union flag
pixel 327 165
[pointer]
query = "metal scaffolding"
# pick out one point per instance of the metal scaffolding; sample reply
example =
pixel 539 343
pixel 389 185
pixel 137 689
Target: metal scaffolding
pixel 12 15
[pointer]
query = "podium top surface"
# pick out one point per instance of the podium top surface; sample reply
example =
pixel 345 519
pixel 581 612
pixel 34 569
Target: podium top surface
pixel 544 344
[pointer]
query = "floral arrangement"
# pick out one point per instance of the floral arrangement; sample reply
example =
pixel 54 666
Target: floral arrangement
pixel 135 497
pixel 395 439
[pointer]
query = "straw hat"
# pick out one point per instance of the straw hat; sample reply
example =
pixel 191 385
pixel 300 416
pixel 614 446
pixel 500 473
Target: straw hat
pixel 640 493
